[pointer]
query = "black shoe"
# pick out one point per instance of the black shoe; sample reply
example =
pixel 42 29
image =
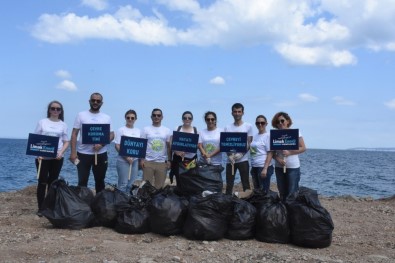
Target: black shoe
pixel 39 214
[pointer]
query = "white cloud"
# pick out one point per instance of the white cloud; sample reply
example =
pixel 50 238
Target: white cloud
pixel 67 85
pixel 217 80
pixel 390 104
pixel 96 4
pixel 71 28
pixel 64 74
pixel 306 32
pixel 307 97
pixel 342 101
pixel 324 56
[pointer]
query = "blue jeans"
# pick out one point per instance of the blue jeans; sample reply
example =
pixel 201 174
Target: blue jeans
pixel 288 182
pixel 258 181
pixel 124 183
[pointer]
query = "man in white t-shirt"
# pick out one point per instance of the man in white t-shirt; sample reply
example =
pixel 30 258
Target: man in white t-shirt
pixel 83 155
pixel 157 158
pixel 239 160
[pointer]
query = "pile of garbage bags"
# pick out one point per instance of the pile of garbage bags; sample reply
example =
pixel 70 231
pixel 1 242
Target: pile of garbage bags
pixel 300 220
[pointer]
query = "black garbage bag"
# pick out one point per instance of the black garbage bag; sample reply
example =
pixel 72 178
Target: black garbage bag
pixel 64 208
pixel 145 191
pixel 132 217
pixel 167 212
pixel 84 193
pixel 208 217
pixel 104 206
pixel 242 222
pixel 311 224
pixel 203 177
pixel 272 223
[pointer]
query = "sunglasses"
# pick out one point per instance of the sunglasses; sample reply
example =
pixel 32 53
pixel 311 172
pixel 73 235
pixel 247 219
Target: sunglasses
pixel 156 115
pixel 281 121
pixel 55 109
pixel 130 118
pixel 95 101
pixel 260 123
pixel 210 119
pixel 187 118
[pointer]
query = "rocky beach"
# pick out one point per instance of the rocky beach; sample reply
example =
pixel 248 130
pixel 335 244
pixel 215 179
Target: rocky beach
pixel 364 232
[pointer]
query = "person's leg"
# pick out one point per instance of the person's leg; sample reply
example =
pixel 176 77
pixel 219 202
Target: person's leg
pixel 243 168
pixel 84 168
pixel 230 179
pixel 265 182
pixel 255 178
pixel 42 181
pixel 122 171
pixel 293 178
pixel 148 172
pixel 134 174
pixel 281 182
pixel 160 175
pixel 99 171
pixel 54 170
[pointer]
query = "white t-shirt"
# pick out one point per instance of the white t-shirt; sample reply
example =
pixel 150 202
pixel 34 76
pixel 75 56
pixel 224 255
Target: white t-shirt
pixel 210 142
pixel 259 147
pixel 87 117
pixel 245 127
pixel 187 155
pixel 292 161
pixel 157 139
pixel 53 128
pixel 126 131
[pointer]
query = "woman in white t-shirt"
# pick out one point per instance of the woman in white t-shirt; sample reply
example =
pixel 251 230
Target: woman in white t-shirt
pixel 53 125
pixel 261 156
pixel 209 140
pixel 124 162
pixel 177 156
pixel 288 178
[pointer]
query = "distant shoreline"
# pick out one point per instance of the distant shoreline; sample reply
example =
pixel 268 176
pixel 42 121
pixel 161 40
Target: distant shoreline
pixel 374 149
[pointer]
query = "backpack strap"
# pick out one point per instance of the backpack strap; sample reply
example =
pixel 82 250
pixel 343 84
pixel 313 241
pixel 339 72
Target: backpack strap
pixel 179 128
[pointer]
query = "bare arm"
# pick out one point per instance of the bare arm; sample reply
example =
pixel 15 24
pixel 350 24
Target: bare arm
pixel 73 144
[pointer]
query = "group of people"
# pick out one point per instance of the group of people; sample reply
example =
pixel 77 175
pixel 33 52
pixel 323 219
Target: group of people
pixel 159 158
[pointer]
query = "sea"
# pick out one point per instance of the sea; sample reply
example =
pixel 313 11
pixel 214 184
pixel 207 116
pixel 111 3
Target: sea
pixel 359 173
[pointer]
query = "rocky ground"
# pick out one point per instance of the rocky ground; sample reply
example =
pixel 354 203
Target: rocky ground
pixel 364 232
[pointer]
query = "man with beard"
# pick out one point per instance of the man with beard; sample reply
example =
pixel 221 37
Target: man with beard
pixel 239 161
pixel 83 155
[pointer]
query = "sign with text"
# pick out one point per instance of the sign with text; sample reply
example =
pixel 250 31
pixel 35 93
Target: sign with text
pixel 95 133
pixel 42 145
pixel 133 147
pixel 184 142
pixel 233 142
pixel 284 139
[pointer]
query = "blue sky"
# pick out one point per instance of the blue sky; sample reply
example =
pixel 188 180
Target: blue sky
pixel 330 64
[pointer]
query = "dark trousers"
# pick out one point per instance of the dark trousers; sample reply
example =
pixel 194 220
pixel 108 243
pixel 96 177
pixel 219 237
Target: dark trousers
pixel 243 168
pixel 87 162
pixel 49 172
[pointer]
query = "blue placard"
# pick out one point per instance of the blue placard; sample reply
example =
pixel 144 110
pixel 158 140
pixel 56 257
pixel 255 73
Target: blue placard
pixel 133 147
pixel 233 142
pixel 42 145
pixel 95 133
pixel 184 142
pixel 284 139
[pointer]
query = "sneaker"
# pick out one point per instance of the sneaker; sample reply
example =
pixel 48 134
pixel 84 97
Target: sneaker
pixel 39 214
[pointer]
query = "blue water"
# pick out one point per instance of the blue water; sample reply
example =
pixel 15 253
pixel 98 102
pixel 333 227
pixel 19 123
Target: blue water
pixel 330 172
